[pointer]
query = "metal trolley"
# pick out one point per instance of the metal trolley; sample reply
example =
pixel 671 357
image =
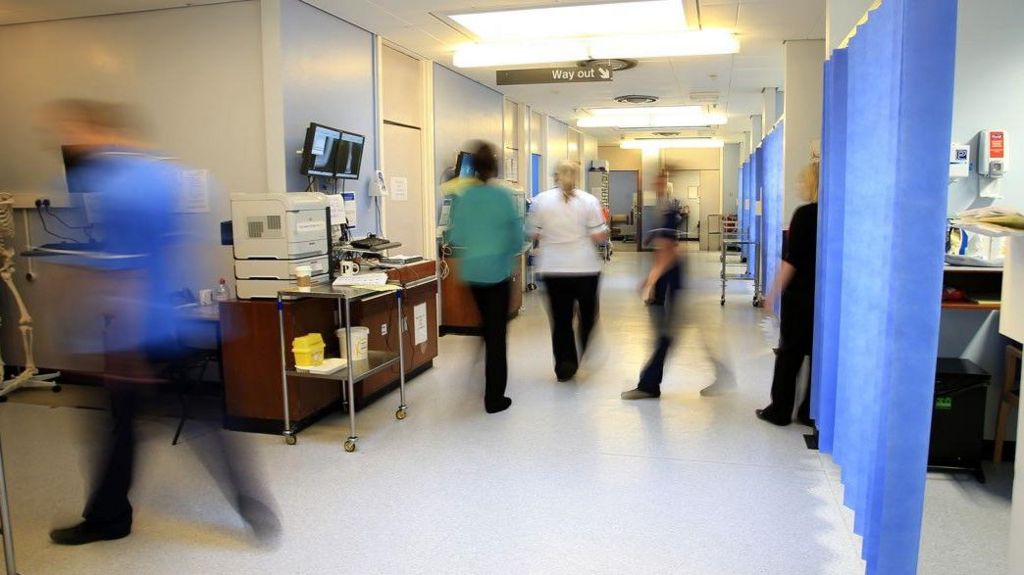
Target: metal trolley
pixel 732 237
pixel 355 371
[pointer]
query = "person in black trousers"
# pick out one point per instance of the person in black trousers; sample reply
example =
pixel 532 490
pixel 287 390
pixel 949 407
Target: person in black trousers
pixel 488 232
pixel 568 225
pixel 795 283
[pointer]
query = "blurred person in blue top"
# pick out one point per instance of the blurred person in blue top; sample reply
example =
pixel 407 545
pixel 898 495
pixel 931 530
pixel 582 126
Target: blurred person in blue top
pixel 141 254
pixel 487 230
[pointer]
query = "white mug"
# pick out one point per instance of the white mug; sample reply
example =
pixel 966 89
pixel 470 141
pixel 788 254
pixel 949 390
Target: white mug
pixel 349 268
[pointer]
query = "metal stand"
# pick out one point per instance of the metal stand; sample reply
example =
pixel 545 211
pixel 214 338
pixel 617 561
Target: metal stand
pixel 5 521
pixel 355 371
pixel 731 237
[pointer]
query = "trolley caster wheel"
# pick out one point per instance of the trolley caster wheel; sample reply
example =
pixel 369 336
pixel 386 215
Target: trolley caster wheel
pixel 757 302
pixel 291 439
pixel 400 414
pixel 350 446
pixel 55 389
pixel 722 303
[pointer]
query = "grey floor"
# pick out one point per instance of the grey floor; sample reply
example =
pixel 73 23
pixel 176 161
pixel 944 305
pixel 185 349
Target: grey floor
pixel 569 480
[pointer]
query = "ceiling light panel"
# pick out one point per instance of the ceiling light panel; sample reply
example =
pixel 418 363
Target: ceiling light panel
pixel 552 50
pixel 651 117
pixel 644 17
pixel 672 143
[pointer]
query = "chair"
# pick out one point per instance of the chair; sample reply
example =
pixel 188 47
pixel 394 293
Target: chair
pixel 179 371
pixel 1009 397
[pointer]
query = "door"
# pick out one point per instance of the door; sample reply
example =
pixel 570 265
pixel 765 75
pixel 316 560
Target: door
pixel 623 188
pixel 403 174
pixel 536 168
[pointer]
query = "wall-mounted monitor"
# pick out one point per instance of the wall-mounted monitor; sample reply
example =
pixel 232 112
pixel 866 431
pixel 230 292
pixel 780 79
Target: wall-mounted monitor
pixel 349 156
pixel 319 154
pixel 464 167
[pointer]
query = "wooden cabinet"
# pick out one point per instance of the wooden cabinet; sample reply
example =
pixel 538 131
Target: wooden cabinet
pixel 458 310
pixel 252 357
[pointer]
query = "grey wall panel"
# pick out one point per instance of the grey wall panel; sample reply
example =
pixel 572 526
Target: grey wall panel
pixel 464 110
pixel 327 77
pixel 194 73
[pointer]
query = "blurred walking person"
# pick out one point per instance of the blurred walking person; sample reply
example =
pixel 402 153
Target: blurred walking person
pixel 569 226
pixel 663 294
pixel 133 199
pixel 488 232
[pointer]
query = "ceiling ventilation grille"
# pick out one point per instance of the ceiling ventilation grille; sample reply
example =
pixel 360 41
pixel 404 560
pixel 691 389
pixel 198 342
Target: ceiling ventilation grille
pixel 636 99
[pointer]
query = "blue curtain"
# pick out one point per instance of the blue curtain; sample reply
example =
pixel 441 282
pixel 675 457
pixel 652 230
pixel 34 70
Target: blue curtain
pixel 747 209
pixel 885 142
pixel 773 195
pixel 757 174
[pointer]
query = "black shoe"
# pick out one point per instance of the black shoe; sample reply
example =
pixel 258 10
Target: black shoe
pixel 260 518
pixel 565 372
pixel 498 406
pixel 86 532
pixel 766 415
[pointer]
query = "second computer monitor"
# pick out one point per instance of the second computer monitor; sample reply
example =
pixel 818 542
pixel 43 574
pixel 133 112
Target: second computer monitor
pixel 349 156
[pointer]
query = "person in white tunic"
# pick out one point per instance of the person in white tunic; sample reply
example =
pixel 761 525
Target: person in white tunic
pixel 568 225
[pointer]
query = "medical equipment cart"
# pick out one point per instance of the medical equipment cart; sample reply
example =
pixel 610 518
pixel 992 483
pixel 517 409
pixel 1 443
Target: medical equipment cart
pixel 355 370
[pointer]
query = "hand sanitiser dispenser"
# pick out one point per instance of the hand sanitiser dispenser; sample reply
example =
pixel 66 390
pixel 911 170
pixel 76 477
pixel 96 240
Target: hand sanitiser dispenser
pixel 992 153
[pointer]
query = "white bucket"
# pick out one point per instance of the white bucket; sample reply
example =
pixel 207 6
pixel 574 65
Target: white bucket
pixel 360 342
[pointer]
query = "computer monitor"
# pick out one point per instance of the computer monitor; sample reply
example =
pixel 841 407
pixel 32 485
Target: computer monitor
pixel 464 166
pixel 349 156
pixel 319 153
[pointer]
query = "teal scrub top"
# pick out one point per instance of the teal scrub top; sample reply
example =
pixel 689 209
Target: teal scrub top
pixel 487 228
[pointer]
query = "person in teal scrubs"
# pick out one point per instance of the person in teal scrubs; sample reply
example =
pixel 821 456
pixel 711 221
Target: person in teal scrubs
pixel 488 231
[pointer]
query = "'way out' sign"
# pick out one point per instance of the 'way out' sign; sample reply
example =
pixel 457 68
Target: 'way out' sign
pixel 563 75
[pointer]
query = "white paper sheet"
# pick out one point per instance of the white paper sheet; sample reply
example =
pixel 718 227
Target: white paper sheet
pixel 419 315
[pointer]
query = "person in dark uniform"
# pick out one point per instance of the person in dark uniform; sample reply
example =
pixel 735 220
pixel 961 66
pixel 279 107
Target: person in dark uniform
pixel 795 284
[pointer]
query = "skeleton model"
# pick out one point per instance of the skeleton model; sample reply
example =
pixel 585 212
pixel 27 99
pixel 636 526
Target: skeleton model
pixel 29 377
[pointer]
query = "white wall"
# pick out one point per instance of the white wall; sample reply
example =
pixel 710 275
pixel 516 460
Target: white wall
pixel 730 179
pixel 989 82
pixel 327 76
pixel 804 93
pixel 464 110
pixel 841 17
pixel 194 72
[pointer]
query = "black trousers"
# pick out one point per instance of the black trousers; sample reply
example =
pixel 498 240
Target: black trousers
pixel 797 337
pixel 492 302
pixel 108 502
pixel 565 294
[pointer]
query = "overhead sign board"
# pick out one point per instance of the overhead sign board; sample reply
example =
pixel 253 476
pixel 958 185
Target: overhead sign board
pixel 561 75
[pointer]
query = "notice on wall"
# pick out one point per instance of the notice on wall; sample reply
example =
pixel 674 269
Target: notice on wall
pixel 693 192
pixel 337 204
pixel 419 319
pixel 194 193
pixel 399 189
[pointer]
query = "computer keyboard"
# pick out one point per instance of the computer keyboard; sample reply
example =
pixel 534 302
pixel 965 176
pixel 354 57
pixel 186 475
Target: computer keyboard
pixel 370 242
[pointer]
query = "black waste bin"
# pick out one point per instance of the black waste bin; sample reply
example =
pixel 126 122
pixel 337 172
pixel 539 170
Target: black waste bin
pixel 958 417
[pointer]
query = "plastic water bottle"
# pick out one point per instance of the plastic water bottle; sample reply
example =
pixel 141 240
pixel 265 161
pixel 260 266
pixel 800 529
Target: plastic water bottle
pixel 221 293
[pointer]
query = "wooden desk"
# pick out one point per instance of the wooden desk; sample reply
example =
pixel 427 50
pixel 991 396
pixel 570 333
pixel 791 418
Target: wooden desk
pixel 458 310
pixel 252 360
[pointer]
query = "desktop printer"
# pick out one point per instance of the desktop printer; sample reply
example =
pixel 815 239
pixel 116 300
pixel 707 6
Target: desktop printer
pixel 273 235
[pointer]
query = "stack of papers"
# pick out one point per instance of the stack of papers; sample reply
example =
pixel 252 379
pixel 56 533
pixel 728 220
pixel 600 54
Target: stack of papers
pixel 360 280
pixel 329 366
pixel 994 222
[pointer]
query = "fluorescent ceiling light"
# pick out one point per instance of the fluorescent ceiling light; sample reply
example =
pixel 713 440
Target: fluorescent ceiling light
pixel 645 110
pixel 646 17
pixel 549 50
pixel 652 117
pixel 669 143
